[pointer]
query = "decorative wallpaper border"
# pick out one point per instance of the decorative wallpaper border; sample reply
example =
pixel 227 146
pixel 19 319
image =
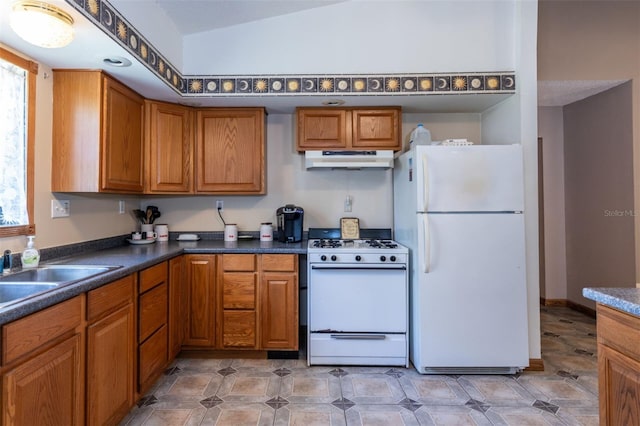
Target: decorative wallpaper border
pixel 102 14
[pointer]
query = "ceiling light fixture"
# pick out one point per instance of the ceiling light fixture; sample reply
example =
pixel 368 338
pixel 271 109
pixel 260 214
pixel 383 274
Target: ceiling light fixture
pixel 117 61
pixel 42 24
pixel 333 102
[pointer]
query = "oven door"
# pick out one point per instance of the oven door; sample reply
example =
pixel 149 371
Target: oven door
pixel 357 298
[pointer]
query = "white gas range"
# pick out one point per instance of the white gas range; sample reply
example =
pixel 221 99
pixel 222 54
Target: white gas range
pixel 357 298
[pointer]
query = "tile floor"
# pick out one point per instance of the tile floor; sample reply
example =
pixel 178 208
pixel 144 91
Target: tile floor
pixel 287 392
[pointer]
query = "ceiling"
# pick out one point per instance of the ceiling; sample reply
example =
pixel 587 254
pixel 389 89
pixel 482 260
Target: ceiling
pixel 91 46
pixel 559 93
pixel 213 14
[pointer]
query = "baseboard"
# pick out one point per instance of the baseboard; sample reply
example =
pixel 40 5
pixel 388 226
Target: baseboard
pixel 222 354
pixel 581 308
pixel 535 364
pixel 564 303
pixel 553 302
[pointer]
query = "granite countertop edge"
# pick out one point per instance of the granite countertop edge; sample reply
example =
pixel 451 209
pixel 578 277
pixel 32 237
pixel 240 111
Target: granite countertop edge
pixel 623 299
pixel 131 259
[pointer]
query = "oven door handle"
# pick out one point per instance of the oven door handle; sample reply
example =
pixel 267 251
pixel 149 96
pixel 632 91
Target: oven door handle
pixel 361 267
pixel 358 336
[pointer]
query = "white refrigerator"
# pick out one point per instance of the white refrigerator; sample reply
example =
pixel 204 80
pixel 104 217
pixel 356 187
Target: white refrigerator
pixel 460 210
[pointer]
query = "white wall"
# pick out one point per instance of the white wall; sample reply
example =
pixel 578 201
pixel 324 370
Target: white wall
pixel 550 129
pixel 363 37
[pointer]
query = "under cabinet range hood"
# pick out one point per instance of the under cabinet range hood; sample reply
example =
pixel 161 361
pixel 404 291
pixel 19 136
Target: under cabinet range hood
pixel 355 160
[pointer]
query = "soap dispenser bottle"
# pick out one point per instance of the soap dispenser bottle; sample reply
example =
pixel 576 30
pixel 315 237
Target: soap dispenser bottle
pixel 30 256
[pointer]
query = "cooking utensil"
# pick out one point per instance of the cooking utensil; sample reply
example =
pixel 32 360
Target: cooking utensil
pixel 152 213
pixel 140 215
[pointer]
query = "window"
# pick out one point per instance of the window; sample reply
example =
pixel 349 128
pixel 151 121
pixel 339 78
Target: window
pixel 17 132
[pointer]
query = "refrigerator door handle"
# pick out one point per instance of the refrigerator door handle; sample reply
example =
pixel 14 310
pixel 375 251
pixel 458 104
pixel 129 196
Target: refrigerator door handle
pixel 425 184
pixel 427 244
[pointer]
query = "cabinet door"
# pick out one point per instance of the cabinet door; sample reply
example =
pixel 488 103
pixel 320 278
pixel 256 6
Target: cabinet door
pixel 169 142
pixel 200 280
pixel 75 145
pixel 619 387
pixel 177 305
pixel 376 129
pixel 122 145
pixel 110 367
pixel 321 129
pixel 48 389
pixel 279 304
pixel 230 146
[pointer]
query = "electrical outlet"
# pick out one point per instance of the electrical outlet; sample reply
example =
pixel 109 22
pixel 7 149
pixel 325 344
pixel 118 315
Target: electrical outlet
pixel 60 208
pixel 220 205
pixel 121 207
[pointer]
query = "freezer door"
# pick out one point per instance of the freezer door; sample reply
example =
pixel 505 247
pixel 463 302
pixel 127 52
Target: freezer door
pixel 477 178
pixel 468 292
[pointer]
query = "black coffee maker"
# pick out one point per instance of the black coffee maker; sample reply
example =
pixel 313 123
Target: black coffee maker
pixel 289 219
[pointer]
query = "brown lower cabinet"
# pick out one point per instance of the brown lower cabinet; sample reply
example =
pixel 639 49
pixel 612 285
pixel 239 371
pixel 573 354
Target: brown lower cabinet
pixel 81 361
pixel 238 301
pixel 177 305
pixel 43 367
pixel 200 280
pixel 110 351
pixel 242 301
pixel 279 301
pixel 618 367
pixel 153 345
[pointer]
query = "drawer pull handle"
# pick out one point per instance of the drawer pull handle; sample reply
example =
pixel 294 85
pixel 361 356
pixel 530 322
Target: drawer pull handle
pixel 359 336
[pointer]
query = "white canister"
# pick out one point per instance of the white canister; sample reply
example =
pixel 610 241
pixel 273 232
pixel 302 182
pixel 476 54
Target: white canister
pixel 266 231
pixel 231 232
pixel 163 232
pixel 147 230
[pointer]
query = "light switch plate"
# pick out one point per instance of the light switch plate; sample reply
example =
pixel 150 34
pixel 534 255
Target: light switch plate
pixel 60 208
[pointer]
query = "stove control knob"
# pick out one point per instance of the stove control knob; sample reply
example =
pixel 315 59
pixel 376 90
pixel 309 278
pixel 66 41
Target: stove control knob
pixel 323 257
pixel 392 258
pixel 334 258
pixel 358 258
pixel 383 258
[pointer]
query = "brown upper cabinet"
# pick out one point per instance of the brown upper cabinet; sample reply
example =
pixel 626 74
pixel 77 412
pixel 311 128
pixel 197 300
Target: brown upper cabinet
pixel 169 148
pixel 204 150
pixel 230 151
pixel 97 134
pixel 348 128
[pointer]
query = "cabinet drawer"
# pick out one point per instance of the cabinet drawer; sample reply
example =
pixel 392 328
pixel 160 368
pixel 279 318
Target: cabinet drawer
pixel 239 329
pixel 153 311
pixel 239 291
pixel 106 298
pixel 32 332
pixel 152 358
pixel 279 262
pixel 618 330
pixel 152 276
pixel 239 262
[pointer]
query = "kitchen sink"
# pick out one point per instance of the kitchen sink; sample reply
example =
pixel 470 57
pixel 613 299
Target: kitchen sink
pixel 56 274
pixel 29 282
pixel 16 291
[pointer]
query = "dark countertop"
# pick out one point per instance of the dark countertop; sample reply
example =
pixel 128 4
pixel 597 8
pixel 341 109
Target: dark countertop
pixel 133 258
pixel 623 299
